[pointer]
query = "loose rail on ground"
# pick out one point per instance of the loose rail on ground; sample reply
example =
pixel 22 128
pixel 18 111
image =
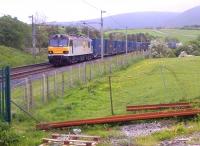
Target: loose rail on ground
pixel 179 105
pixel 119 118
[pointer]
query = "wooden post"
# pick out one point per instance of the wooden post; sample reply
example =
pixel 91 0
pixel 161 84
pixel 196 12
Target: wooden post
pixel 31 94
pixel 79 72
pixel 55 84
pixel 110 68
pixel 100 70
pixel 63 83
pixel 47 84
pixel 27 94
pixel 44 91
pixel 90 74
pixel 104 67
pixel 92 68
pixel 71 76
pixel 111 101
pixel 85 72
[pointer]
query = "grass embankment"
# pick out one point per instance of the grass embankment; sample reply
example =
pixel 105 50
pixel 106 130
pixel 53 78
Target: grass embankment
pixel 147 82
pixel 182 35
pixel 14 57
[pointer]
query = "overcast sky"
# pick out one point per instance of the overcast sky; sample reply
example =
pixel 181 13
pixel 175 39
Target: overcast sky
pixel 72 10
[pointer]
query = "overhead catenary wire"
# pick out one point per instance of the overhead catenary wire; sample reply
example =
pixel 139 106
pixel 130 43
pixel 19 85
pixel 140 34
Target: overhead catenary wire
pixel 91 5
pixel 111 17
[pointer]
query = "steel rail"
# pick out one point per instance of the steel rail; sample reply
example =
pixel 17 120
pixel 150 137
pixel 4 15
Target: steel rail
pixel 119 118
pixel 159 106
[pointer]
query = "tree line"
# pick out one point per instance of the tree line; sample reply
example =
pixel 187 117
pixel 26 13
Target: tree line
pixel 17 34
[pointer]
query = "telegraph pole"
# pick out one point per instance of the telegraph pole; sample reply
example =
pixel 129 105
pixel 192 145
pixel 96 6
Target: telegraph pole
pixel 126 42
pixel 33 37
pixel 102 48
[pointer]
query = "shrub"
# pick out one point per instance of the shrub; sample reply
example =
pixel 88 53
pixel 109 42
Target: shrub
pixel 7 135
pixel 160 49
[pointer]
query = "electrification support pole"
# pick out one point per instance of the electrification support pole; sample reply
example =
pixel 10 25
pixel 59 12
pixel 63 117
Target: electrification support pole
pixel 126 42
pixel 102 48
pixel 33 37
pixel 88 32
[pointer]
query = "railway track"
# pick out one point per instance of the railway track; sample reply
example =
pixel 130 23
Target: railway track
pixel 24 71
pixel 119 118
pixel 179 105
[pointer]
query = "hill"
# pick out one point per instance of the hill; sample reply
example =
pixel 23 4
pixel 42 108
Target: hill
pixel 145 20
pixel 15 57
pixel 183 35
pixel 189 17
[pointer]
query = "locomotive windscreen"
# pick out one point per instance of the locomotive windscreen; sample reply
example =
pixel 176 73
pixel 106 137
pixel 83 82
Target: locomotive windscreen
pixel 58 41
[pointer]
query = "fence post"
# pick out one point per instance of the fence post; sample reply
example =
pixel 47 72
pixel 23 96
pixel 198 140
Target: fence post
pixel 44 91
pixel 100 69
pixel 90 73
pixel 85 72
pixel 31 93
pixel 110 67
pixel 27 94
pixel 8 94
pixel 47 89
pixel 79 72
pixel 71 76
pixel 55 84
pixel 63 83
pixel 111 101
pixel 92 67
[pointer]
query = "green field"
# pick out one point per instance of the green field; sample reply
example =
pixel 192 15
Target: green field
pixel 181 34
pixel 14 57
pixel 147 82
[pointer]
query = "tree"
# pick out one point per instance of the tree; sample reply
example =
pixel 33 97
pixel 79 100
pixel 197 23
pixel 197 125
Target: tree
pixel 159 49
pixel 71 30
pixel 14 33
pixel 192 47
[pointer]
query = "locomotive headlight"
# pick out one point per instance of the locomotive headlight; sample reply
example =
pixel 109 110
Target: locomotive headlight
pixel 65 52
pixel 50 52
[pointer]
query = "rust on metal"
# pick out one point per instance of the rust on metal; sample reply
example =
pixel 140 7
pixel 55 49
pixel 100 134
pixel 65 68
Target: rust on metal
pixel 179 105
pixel 119 118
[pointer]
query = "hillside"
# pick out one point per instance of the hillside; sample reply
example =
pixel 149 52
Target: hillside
pixel 189 17
pixel 147 82
pixel 15 57
pixel 182 35
pixel 145 20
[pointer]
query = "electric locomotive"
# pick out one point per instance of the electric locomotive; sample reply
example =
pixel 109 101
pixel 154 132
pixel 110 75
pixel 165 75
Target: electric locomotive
pixel 67 49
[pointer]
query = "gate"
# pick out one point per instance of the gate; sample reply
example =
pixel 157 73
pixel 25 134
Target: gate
pixel 5 104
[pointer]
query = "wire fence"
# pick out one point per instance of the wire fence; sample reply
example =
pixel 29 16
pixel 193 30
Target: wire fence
pixel 36 91
pixel 86 90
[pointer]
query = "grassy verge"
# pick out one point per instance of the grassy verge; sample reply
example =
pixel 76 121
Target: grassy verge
pixel 14 57
pixel 147 82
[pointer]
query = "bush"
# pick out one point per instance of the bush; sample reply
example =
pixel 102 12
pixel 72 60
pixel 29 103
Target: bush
pixel 160 49
pixel 7 135
pixel 191 48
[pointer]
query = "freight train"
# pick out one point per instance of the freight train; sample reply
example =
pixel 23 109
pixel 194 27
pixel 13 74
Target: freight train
pixel 67 49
